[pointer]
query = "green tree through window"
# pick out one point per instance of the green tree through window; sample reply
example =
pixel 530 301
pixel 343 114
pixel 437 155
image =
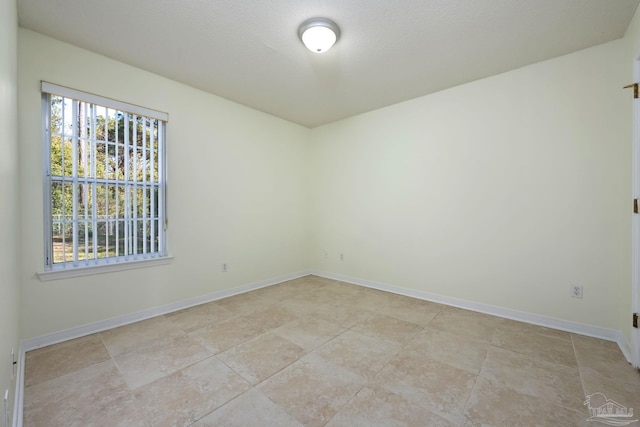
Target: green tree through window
pixel 105 190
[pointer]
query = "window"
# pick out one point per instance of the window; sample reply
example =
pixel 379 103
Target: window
pixel 105 180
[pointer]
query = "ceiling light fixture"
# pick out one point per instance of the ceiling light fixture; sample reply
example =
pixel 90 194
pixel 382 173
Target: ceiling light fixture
pixel 319 34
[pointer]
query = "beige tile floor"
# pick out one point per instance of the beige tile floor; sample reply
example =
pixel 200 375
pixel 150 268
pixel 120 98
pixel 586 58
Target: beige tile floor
pixel 319 352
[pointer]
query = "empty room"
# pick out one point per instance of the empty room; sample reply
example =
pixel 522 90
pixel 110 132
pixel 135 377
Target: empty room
pixel 319 213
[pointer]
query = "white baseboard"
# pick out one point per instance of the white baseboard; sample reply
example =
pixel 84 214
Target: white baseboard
pixel 103 325
pixel 625 347
pixel 549 322
pixel 19 392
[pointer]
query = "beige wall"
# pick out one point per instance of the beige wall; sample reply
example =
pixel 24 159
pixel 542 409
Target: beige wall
pixel 504 191
pixel 9 242
pixel 237 184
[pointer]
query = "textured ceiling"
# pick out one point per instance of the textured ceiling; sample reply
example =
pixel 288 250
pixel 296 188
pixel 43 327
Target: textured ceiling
pixel 248 51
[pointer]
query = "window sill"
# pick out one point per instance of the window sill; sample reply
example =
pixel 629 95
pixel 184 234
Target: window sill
pixel 46 276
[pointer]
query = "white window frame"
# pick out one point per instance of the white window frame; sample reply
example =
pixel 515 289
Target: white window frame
pixel 133 257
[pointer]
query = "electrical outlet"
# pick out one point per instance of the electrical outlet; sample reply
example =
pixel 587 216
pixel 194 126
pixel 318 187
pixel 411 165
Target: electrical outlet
pixel 326 254
pixel 342 257
pixel 225 267
pixel 576 291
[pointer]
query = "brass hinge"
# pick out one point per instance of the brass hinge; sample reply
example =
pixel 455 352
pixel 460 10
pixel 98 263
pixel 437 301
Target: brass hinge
pixel 635 205
pixel 635 89
pixel 635 320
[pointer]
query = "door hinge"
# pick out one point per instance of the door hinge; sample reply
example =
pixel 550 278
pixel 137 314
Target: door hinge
pixel 635 89
pixel 635 205
pixel 635 320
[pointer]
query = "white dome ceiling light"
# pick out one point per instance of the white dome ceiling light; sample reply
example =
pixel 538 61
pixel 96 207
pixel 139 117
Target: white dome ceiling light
pixel 319 34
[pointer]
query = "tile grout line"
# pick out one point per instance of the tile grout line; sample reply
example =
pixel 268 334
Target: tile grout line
pixel 224 404
pixel 575 353
pixel 463 417
pixel 121 374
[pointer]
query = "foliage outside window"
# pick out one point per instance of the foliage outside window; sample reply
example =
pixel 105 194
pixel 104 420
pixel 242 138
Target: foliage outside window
pixel 105 180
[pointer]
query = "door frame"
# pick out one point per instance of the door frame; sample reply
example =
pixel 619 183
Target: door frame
pixel 635 222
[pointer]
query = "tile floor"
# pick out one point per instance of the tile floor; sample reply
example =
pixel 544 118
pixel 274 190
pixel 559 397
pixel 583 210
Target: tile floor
pixel 318 352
